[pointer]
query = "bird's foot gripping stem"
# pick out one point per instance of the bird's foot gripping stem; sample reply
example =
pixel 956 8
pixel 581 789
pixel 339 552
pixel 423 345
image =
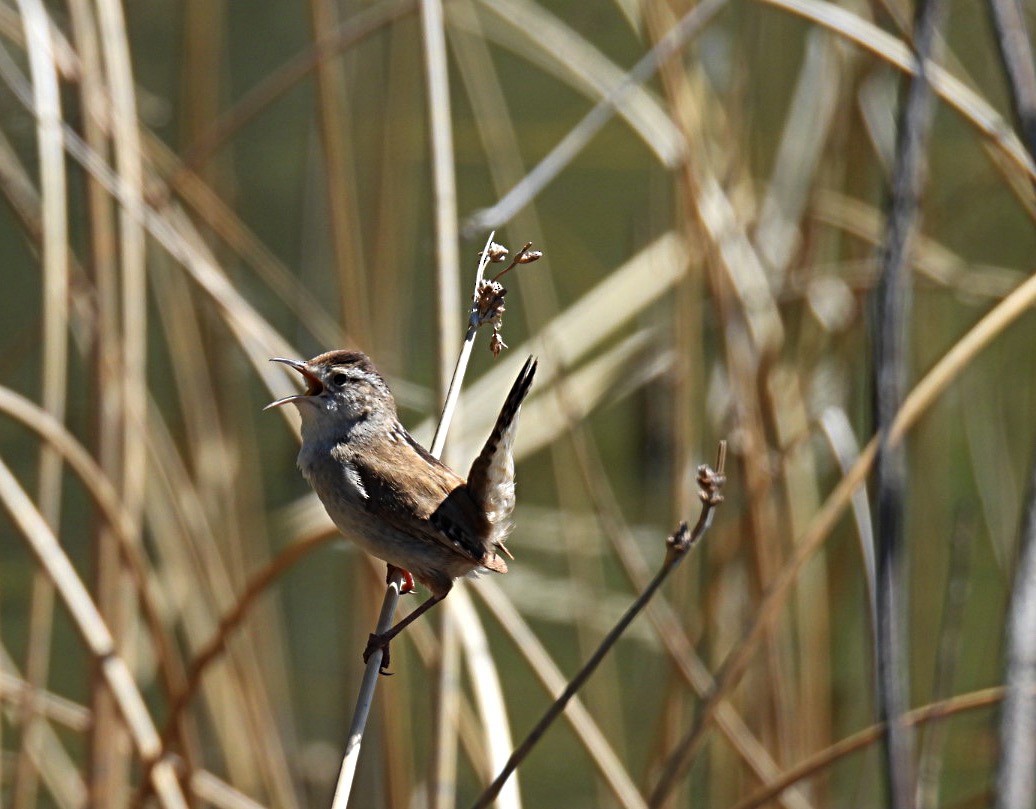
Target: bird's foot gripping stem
pixel 408 579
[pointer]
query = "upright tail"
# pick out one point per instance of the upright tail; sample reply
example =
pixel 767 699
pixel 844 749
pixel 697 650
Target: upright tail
pixel 491 480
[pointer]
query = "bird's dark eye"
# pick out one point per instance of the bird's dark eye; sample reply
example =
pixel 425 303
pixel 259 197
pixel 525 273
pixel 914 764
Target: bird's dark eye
pixel 339 379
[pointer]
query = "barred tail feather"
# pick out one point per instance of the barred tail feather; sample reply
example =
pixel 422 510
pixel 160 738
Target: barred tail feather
pixel 491 480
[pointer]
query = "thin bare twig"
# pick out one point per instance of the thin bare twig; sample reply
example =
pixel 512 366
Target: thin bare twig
pixel 711 486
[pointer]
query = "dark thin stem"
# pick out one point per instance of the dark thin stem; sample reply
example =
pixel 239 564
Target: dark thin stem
pixel 892 305
pixel 1012 40
pixel 679 544
pixel 1016 778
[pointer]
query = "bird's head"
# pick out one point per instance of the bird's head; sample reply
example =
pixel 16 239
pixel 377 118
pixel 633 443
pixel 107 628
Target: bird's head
pixel 341 387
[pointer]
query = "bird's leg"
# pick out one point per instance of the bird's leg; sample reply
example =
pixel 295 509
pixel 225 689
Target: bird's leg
pixel 408 580
pixel 375 642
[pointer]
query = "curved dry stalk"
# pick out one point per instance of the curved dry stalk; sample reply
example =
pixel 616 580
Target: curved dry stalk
pixel 683 540
pixel 862 739
pixel 487 691
pixel 216 792
pixel 104 494
pixel 95 634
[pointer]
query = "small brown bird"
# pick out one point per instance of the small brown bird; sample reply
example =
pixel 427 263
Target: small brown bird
pixel 388 493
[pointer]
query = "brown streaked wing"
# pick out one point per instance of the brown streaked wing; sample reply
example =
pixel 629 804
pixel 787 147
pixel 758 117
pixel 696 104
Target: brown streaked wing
pixel 419 496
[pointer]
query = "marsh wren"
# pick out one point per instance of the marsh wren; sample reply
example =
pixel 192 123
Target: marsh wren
pixel 389 494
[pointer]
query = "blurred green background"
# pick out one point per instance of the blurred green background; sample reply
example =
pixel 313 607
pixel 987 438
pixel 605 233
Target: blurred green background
pixel 286 173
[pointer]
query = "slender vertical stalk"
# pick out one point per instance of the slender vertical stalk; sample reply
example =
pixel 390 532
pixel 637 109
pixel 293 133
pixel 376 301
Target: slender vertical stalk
pixel 1016 777
pixel 109 742
pixel 54 364
pixel 892 305
pixel 335 141
pixel 440 127
pixel 444 186
pixel 1012 39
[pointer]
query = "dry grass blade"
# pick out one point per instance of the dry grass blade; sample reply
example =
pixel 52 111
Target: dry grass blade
pixel 576 140
pixel 444 183
pixel 923 395
pixel 218 793
pixel 488 693
pixel 839 433
pixel 55 259
pixel 95 634
pixel 806 132
pixel 44 747
pixel 336 144
pixel 534 34
pixel 975 109
pixel 132 374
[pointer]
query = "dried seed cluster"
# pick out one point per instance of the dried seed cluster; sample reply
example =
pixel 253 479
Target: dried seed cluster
pixel 489 297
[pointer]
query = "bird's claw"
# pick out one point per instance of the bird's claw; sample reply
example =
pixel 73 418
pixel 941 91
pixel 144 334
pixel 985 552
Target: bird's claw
pixel 374 643
pixel 407 585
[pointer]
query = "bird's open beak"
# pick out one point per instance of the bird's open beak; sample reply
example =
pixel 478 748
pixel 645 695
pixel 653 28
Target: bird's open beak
pixel 313 384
